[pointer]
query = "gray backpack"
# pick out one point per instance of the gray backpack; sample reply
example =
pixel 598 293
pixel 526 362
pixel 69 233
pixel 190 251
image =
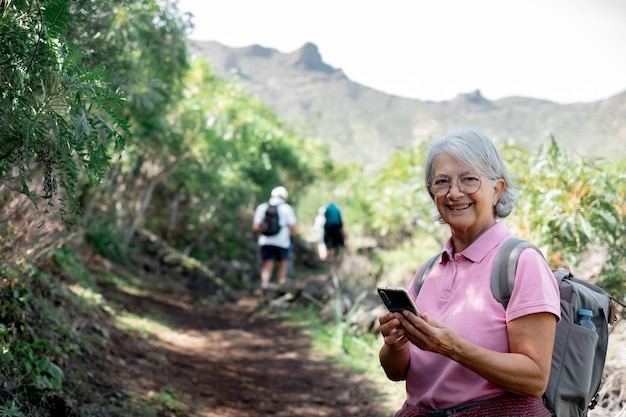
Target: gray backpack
pixel 579 353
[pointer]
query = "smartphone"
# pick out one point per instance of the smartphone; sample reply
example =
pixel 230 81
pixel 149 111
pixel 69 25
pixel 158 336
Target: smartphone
pixel 397 299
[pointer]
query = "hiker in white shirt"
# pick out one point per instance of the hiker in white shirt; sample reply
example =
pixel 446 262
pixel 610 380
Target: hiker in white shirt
pixel 275 249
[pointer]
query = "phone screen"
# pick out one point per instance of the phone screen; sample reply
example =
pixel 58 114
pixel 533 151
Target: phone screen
pixel 397 299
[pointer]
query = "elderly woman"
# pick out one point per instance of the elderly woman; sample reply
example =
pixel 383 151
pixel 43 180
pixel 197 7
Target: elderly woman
pixel 464 354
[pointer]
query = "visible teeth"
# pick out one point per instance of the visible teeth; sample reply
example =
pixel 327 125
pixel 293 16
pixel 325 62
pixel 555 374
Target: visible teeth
pixel 459 207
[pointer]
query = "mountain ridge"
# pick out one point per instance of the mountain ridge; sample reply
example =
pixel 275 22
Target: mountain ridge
pixel 362 124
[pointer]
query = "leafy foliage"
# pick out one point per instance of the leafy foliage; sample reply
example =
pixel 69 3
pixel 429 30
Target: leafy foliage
pixel 10 410
pixel 76 75
pixel 58 115
pixel 32 352
pixel 569 205
pixel 197 189
pixel 401 209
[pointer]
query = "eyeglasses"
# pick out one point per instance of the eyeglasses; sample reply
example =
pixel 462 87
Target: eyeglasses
pixel 468 184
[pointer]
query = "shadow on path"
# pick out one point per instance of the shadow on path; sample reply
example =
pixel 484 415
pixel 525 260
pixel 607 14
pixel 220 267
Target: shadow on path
pixel 232 361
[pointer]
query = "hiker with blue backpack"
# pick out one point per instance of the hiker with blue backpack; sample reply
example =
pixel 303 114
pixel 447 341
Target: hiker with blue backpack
pixel 275 222
pixel 334 235
pixel 464 353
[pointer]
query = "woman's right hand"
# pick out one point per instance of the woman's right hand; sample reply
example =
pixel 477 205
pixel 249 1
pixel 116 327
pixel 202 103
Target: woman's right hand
pixel 394 354
pixel 392 332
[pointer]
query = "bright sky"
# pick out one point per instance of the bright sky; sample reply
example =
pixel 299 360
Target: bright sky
pixel 561 50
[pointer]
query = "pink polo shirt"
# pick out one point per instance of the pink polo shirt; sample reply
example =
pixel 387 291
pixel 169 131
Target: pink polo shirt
pixel 458 292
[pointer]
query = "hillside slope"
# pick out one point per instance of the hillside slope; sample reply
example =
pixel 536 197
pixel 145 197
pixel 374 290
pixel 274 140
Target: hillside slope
pixel 365 125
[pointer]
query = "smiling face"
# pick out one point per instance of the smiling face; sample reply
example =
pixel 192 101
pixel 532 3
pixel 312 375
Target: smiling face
pixel 468 215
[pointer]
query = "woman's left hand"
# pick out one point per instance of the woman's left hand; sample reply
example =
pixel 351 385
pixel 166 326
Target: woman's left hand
pixel 429 334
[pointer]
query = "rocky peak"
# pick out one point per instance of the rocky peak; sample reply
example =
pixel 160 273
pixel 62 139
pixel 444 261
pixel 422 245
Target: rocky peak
pixel 308 57
pixel 258 50
pixel 474 97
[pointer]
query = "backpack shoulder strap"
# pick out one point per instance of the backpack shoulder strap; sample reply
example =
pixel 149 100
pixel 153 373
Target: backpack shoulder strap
pixel 503 274
pixel 423 271
pixel 505 266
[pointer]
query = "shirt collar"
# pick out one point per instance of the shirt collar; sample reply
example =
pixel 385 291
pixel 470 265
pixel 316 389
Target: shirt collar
pixel 481 246
pixel 276 200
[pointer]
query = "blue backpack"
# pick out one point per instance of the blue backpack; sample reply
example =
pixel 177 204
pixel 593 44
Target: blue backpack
pixel 579 353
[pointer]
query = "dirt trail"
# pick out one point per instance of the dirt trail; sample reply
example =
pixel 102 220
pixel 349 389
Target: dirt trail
pixel 233 361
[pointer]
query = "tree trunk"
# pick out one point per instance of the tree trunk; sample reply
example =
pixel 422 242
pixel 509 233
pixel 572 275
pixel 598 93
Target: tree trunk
pixel 139 216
